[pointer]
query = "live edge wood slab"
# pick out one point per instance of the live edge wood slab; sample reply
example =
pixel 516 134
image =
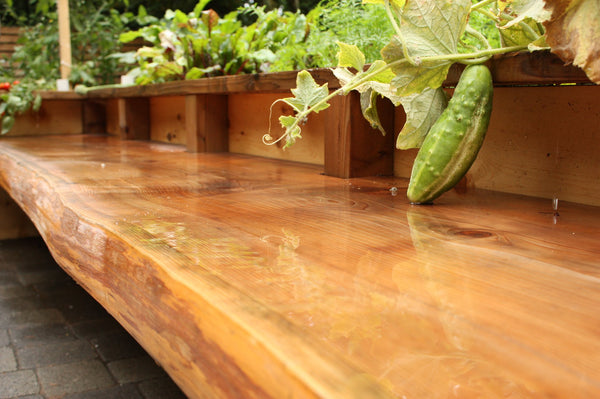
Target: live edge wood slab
pixel 253 278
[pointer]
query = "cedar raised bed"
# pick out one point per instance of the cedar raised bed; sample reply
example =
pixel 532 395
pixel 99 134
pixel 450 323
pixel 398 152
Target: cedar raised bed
pixel 247 275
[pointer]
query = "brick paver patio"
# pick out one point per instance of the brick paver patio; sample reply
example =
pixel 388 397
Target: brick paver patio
pixel 57 342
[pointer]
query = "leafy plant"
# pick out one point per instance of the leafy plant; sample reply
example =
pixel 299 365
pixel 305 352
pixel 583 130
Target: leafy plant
pixel 35 61
pixel 202 44
pixel 429 36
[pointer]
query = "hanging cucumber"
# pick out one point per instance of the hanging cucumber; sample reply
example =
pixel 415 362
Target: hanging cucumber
pixel 455 138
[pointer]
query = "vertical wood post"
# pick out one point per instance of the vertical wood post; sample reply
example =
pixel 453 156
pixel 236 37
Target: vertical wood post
pixel 64 38
pixel 352 147
pixel 134 118
pixel 206 123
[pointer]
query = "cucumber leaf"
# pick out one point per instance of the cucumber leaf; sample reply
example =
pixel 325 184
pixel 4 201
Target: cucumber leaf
pixel 428 28
pixel 422 110
pixel 307 94
pixel 350 56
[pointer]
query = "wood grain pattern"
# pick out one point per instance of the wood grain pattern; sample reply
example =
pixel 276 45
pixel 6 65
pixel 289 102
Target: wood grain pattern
pixel 207 123
pixel 249 121
pixel 133 115
pixel 247 277
pixel 352 147
pixel 167 119
pixel 54 117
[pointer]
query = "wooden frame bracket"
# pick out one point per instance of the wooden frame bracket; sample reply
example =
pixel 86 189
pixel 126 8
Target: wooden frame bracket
pixel 352 147
pixel 206 123
pixel 134 118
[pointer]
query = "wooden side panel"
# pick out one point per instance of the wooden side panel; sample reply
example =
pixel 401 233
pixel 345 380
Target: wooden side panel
pixel 542 141
pixel 167 119
pixel 134 118
pixel 249 121
pixel 206 123
pixel 54 117
pixel 352 147
pixel 14 223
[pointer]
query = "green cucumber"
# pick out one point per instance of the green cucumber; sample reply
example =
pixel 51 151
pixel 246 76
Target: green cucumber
pixel 455 138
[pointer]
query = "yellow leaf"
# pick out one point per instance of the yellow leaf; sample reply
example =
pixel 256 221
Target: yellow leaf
pixel 573 32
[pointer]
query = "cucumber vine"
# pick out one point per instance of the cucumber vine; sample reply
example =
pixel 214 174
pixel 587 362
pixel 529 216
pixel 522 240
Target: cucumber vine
pixel 429 37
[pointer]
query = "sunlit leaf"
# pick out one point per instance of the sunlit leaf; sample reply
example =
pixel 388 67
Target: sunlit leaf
pixel 524 9
pixel 308 94
pixel 350 56
pixel 573 32
pixel 396 3
pixel 292 129
pixel 429 28
pixel 422 110
pixel 411 79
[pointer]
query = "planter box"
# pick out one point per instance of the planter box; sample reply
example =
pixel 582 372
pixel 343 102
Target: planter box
pixel 541 141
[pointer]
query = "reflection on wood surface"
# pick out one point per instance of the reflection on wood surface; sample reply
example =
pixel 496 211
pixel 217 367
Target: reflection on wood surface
pixel 247 277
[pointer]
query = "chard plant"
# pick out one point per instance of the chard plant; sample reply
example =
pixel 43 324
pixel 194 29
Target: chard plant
pixel 430 36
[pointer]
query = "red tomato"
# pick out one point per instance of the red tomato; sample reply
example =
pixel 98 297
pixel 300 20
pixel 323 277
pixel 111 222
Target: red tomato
pixel 4 86
pixel 16 82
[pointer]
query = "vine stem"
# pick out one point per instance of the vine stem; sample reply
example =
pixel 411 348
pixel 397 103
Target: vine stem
pixel 481 4
pixel 399 33
pixel 362 78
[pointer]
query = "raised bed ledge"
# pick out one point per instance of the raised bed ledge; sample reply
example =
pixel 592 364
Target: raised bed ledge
pixel 540 68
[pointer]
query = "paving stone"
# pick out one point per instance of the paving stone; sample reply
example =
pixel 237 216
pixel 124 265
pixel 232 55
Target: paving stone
pixel 29 318
pixel 44 334
pixel 8 279
pixel 4 338
pixel 16 291
pixel 18 383
pixel 63 352
pixel 21 304
pixel 28 278
pixel 63 379
pixel 128 391
pixel 76 305
pixel 135 369
pixel 117 345
pixel 160 388
pixel 95 328
pixel 7 359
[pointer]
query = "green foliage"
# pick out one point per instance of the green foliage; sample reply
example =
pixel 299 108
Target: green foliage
pixel 95 27
pixel 428 37
pixel 201 44
pixel 347 21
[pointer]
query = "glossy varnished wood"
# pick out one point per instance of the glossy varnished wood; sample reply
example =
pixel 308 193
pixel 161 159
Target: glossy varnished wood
pixel 251 278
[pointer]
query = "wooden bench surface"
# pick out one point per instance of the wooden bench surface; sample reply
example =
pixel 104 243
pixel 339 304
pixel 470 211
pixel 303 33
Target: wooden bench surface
pixel 249 278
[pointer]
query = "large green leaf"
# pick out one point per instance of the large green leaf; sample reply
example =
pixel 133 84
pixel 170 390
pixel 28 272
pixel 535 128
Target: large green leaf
pixel 308 94
pixel 422 110
pixel 429 29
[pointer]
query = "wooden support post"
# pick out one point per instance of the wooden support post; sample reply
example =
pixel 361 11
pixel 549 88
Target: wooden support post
pixel 206 123
pixel 134 118
pixel 64 38
pixel 352 147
